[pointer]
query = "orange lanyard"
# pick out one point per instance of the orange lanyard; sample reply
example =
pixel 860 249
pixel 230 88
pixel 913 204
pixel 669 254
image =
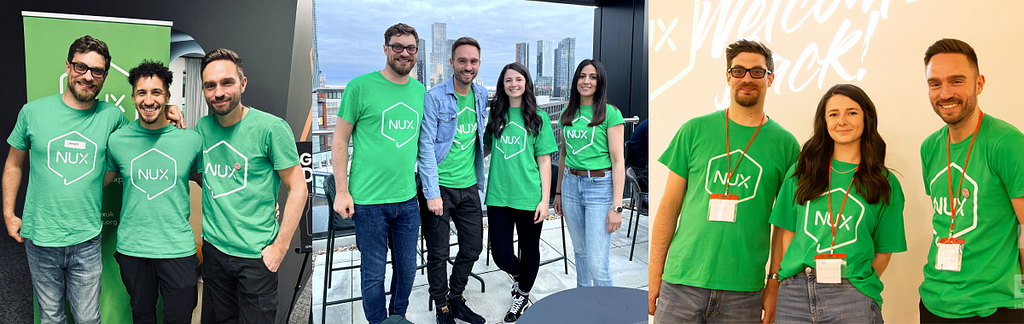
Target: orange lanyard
pixel 949 172
pixel 841 206
pixel 728 174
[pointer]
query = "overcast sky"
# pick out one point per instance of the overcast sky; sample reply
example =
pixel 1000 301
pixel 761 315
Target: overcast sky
pixel 350 33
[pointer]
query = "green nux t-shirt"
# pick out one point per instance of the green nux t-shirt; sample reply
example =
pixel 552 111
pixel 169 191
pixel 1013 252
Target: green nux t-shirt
pixel 385 119
pixel 65 186
pixel 861 230
pixel 155 166
pixel 456 170
pixel 514 178
pixel 240 180
pixel 586 147
pixel 697 153
pixel 985 220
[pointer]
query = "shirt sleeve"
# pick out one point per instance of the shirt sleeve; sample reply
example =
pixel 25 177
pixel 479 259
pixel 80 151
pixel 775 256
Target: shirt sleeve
pixel 1008 163
pixel 784 213
pixel 197 160
pixel 676 156
pixel 545 143
pixel 349 108
pixel 283 152
pixel 924 165
pixel 889 234
pixel 111 162
pixel 19 137
pixel 612 116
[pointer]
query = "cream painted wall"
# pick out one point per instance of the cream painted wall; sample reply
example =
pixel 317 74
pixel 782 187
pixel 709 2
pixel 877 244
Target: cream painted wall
pixel 687 78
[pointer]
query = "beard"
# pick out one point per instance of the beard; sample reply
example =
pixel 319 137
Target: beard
pixel 232 105
pixel 403 71
pixel 966 110
pixel 84 95
pixel 142 117
pixel 747 100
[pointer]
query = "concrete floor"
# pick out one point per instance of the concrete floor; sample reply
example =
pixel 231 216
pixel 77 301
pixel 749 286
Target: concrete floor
pixel 491 304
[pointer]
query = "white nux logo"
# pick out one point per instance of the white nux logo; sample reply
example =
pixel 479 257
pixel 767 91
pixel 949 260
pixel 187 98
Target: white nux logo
pixel 580 136
pixel 155 173
pixel 221 178
pixel 469 128
pixel 940 201
pixel 71 156
pixel 841 222
pixel 512 141
pixel 743 183
pixel 398 123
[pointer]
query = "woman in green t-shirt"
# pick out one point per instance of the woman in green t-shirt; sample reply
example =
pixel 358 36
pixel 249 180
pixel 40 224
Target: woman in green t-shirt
pixel 519 180
pixel 841 214
pixel 591 173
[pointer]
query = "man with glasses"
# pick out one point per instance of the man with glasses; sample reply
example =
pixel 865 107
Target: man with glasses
pixel 381 113
pixel 66 135
pixel 708 255
pixel 451 168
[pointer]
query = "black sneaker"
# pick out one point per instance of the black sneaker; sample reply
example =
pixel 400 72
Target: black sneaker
pixel 515 284
pixel 462 311
pixel 444 315
pixel 519 304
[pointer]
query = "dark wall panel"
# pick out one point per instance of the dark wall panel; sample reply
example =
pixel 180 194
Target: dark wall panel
pixel 620 44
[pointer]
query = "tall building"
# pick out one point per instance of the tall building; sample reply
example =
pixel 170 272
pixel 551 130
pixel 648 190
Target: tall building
pixel 523 54
pixel 565 66
pixel 542 79
pixel 422 74
pixel 438 59
pixel 448 71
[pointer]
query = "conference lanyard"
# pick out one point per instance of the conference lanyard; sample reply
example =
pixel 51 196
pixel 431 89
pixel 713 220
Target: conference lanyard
pixel 949 175
pixel 728 163
pixel 831 250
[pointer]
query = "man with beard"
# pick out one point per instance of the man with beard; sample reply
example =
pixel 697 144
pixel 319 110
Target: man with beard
pixel 380 112
pixel 156 160
pixel 973 274
pixel 64 133
pixel 247 155
pixel 727 166
pixel 451 166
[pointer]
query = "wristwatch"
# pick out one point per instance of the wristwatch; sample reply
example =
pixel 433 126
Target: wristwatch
pixel 773 276
pixel 617 209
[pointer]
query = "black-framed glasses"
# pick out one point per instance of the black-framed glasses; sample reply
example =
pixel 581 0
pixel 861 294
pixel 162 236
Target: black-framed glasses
pixel 756 73
pixel 81 68
pixel 398 48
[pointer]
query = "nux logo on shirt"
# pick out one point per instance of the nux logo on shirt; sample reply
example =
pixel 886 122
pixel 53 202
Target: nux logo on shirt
pixel 966 204
pixel 71 156
pixel 154 173
pixel 743 182
pixel 820 230
pixel 512 141
pixel 465 128
pixel 579 139
pixel 399 123
pixel 227 170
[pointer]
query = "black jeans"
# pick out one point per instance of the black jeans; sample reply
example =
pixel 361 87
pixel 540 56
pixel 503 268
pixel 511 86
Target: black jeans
pixel 237 290
pixel 173 279
pixel 502 220
pixel 1002 315
pixel 461 206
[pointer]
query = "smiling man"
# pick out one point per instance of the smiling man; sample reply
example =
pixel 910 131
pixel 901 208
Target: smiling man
pixel 708 255
pixel 973 274
pixel 451 166
pixel 156 160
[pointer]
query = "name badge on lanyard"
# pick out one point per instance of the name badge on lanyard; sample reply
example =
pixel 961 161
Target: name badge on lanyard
pixel 950 254
pixel 829 267
pixel 722 208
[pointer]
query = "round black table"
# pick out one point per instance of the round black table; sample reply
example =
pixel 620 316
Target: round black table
pixel 612 305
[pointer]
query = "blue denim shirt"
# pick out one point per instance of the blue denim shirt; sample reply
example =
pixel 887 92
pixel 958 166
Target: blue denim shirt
pixel 440 118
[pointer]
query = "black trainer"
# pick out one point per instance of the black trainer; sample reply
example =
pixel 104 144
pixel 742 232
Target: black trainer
pixel 462 311
pixel 519 304
pixel 444 315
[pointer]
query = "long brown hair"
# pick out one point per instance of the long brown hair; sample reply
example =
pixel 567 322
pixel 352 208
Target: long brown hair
pixel 499 106
pixel 812 166
pixel 600 98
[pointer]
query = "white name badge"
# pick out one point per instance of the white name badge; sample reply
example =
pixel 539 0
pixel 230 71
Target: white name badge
pixel 722 208
pixel 829 267
pixel 950 254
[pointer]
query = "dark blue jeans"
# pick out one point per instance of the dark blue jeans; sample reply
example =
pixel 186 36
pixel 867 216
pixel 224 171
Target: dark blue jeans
pixel 381 227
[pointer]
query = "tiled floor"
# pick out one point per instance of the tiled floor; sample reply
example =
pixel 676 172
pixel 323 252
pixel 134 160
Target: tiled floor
pixel 491 304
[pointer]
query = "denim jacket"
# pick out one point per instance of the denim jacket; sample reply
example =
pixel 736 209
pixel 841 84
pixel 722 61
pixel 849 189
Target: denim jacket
pixel 440 118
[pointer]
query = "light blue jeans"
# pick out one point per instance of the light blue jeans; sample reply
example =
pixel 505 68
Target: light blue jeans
pixel 689 304
pixel 75 269
pixel 803 300
pixel 585 203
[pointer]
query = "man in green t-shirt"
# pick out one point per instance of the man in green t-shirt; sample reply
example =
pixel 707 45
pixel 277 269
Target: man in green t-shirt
pixel 451 167
pixel 247 155
pixel 61 226
pixel 973 274
pixel 380 112
pixel 710 238
pixel 156 160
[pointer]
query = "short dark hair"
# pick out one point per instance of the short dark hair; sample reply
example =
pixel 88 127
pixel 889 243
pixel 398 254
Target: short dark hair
pixel 400 29
pixel 465 41
pixel 148 69
pixel 748 46
pixel 951 45
pixel 222 54
pixel 86 44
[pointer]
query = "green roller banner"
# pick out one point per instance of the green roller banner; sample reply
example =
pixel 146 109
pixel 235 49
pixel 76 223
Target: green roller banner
pixel 47 38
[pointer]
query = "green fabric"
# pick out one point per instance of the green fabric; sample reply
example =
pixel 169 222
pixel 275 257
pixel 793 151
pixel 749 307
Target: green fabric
pixel 456 170
pixel 587 146
pixel 385 120
pixel 987 278
pixel 862 230
pixel 514 177
pixel 64 145
pixel 720 255
pixel 155 166
pixel 240 180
